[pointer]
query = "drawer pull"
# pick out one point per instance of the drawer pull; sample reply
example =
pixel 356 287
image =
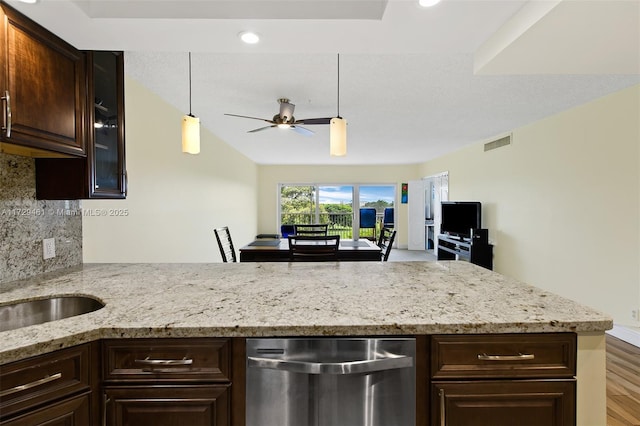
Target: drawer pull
pixel 163 362
pixel 519 357
pixel 31 385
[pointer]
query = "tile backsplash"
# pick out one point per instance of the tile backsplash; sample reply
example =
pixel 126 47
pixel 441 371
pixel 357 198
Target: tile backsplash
pixel 25 222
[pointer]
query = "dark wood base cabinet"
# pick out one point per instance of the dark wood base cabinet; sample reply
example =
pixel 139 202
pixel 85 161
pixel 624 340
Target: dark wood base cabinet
pixel 172 405
pixel 49 389
pixel 70 412
pixel 167 382
pixel 497 403
pixel 503 380
pixel 523 379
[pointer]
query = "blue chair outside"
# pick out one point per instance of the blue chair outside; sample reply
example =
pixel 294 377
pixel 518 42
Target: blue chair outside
pixel 368 219
pixel 286 230
pixel 387 221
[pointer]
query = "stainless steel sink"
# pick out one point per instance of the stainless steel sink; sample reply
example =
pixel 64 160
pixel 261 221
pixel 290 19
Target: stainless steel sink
pixel 23 314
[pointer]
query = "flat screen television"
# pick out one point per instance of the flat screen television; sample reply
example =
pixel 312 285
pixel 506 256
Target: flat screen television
pixel 459 217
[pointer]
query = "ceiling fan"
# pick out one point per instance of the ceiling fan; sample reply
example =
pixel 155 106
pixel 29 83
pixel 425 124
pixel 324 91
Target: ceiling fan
pixel 285 119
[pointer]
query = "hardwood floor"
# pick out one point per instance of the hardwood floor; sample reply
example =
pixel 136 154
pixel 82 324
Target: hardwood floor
pixel 623 383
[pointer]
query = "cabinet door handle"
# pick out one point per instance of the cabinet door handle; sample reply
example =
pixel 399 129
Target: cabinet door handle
pixel 147 361
pixel 30 385
pixel 105 401
pixel 443 420
pixel 7 113
pixel 519 357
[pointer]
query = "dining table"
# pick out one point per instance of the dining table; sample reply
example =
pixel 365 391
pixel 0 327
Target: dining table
pixel 277 250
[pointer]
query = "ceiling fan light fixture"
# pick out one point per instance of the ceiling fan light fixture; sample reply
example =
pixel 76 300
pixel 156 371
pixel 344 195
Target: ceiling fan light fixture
pixel 190 126
pixel 283 126
pixel 249 37
pixel 338 137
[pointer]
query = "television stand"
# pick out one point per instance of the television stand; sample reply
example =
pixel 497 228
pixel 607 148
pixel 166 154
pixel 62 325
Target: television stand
pixel 477 252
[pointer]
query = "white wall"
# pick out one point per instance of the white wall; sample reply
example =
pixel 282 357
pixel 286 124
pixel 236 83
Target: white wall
pixel 562 202
pixel 270 176
pixel 175 200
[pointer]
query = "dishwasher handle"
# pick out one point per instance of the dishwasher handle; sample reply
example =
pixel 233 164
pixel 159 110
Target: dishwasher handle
pixel 389 362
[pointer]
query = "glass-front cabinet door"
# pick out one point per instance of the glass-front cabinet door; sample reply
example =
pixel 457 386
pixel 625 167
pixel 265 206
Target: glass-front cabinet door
pixel 108 174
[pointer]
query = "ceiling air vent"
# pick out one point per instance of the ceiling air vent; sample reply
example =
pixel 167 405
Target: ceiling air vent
pixel 497 143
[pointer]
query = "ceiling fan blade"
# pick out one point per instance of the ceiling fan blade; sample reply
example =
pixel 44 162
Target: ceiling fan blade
pixel 253 118
pixel 259 129
pixel 302 130
pixel 308 121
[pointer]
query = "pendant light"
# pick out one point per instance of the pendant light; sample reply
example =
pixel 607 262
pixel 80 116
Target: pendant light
pixel 190 126
pixel 338 129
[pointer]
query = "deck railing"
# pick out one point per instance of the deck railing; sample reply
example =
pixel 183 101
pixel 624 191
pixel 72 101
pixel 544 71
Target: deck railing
pixel 339 223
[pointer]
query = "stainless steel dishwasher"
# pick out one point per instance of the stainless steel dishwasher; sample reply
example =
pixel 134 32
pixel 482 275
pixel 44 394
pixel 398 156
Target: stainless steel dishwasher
pixel 331 382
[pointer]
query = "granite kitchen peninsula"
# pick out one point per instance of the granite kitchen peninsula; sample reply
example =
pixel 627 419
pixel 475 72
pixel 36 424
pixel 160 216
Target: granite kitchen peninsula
pixel 443 304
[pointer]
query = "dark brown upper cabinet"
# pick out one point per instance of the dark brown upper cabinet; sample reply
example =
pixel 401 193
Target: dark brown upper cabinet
pixel 43 90
pixel 102 174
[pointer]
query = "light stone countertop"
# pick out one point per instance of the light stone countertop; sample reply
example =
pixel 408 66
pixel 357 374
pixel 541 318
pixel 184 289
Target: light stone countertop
pixel 289 299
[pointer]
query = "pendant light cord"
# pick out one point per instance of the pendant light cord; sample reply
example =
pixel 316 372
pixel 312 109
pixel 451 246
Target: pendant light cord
pixel 190 85
pixel 338 85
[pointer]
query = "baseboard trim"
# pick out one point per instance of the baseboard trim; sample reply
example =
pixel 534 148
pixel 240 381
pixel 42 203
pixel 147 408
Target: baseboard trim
pixel 629 335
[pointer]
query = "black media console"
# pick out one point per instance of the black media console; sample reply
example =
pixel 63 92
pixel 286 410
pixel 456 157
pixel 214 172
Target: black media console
pixel 476 249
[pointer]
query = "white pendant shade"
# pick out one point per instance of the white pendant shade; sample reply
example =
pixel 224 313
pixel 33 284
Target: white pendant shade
pixel 338 137
pixel 190 134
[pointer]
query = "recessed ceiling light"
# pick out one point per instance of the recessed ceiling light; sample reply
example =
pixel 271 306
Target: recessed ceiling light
pixel 428 3
pixel 249 37
pixel 29 1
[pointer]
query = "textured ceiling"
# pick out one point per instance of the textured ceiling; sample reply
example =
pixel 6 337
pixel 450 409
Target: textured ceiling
pixel 407 83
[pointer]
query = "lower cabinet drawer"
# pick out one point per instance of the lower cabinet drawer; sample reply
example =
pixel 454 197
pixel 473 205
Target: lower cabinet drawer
pixel 72 411
pixel 504 403
pixel 169 360
pixel 167 405
pixel 42 379
pixel 498 356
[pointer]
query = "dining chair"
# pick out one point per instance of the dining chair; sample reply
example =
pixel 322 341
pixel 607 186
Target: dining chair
pixel 387 236
pixel 313 229
pixel 313 248
pixel 225 244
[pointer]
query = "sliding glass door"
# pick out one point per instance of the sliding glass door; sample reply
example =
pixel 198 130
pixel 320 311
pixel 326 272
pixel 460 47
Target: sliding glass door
pixel 334 205
pixel 298 204
pixel 373 200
